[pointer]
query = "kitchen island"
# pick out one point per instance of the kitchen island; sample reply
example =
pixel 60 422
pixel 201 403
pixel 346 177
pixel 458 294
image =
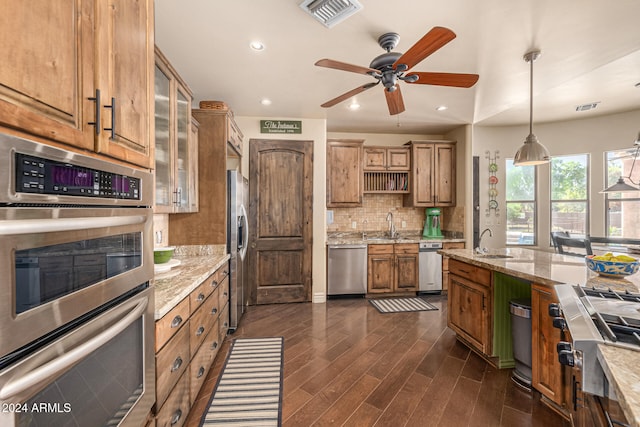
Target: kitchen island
pixel 490 280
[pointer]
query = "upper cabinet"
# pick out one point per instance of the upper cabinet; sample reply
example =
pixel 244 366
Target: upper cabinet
pixel 81 74
pixel 176 143
pixel 344 173
pixel 433 166
pixel 386 159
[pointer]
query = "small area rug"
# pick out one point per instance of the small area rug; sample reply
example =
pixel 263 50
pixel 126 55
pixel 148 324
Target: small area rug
pixel 401 305
pixel 249 389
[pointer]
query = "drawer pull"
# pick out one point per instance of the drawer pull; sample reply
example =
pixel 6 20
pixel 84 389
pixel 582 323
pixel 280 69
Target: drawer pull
pixel 176 417
pixel 200 372
pixel 176 322
pixel 200 298
pixel 200 331
pixel 176 364
pixel 214 310
pixel 225 294
pixel 214 283
pixel 214 345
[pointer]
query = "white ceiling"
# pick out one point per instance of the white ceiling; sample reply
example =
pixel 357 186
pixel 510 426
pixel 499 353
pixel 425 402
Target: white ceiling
pixel 590 53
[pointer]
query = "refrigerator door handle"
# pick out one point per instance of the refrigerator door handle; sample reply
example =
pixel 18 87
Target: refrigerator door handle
pixel 245 232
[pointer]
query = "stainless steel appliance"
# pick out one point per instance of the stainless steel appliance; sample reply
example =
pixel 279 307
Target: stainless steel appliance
pixel 76 319
pixel 430 268
pixel 237 238
pixel 347 270
pixel 595 316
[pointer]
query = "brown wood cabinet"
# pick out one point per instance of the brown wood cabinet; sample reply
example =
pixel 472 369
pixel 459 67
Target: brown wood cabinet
pixel 345 182
pixel 392 268
pixel 176 150
pixel 433 174
pixel 209 225
pixel 445 263
pixel 386 159
pixel 470 304
pixel 546 371
pixel 187 341
pixel 50 87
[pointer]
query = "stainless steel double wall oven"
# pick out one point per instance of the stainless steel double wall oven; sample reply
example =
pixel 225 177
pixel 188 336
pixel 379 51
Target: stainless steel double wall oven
pixel 76 306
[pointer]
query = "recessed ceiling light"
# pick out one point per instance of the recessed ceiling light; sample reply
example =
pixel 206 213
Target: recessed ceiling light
pixel 265 101
pixel 257 45
pixel 354 106
pixel 441 108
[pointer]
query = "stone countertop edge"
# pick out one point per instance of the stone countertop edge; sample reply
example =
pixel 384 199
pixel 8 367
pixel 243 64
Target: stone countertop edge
pixel 173 286
pixel 356 239
pixel 621 367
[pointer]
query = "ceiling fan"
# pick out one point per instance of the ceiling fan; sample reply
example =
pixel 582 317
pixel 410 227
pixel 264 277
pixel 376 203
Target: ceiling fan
pixel 392 67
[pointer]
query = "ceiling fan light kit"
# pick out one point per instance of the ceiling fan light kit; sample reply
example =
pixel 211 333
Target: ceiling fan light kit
pixel 532 151
pixel 391 68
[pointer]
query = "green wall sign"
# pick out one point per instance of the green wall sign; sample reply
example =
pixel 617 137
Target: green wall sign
pixel 280 126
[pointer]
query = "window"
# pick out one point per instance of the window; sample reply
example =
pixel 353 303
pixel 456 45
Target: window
pixel 570 194
pixel 521 204
pixel 623 209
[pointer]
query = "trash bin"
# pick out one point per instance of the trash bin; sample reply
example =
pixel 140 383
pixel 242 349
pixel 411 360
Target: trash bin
pixel 521 333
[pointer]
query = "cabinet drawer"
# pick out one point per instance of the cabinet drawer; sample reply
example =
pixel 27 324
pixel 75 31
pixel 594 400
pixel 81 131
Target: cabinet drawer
pixel 200 294
pixel 171 362
pixel 202 360
pixel 406 248
pixel 379 249
pixel 453 245
pixel 176 408
pixel 171 322
pixel 223 323
pixel 223 292
pixel 219 276
pixel 201 322
pixel 470 272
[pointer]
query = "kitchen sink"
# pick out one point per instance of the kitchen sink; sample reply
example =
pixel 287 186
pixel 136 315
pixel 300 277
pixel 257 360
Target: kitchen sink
pixel 494 256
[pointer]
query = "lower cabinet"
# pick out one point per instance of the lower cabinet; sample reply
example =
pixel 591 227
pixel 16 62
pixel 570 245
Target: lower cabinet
pixel 469 304
pixel 187 341
pixel 392 268
pixel 546 371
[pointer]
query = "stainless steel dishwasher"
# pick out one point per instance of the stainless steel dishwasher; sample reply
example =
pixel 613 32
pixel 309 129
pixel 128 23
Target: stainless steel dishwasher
pixel 347 270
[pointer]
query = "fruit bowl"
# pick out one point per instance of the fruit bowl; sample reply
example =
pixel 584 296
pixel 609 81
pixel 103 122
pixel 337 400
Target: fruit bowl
pixel 162 254
pixel 614 266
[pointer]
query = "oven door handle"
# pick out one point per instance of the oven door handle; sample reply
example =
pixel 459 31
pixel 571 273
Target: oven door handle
pixel 32 226
pixel 16 386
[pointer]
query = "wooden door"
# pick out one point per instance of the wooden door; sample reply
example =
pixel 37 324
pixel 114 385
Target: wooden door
pixel 546 371
pixel 126 73
pixel 445 170
pixel 345 180
pixel 467 311
pixel 280 221
pixel 423 176
pixel 398 159
pixel 380 273
pixel 47 73
pixel 406 272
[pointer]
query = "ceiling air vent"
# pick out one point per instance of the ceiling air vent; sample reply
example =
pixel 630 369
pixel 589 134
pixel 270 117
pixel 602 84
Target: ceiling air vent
pixel 330 12
pixel 587 107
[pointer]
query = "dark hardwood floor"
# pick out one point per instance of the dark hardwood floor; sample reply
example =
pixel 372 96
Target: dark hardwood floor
pixel 347 364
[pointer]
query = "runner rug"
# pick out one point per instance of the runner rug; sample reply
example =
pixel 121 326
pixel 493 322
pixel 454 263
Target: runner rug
pixel 400 305
pixel 249 389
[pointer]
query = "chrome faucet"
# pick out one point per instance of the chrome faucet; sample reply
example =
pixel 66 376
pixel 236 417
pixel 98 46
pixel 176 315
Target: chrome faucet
pixel 480 249
pixel 392 227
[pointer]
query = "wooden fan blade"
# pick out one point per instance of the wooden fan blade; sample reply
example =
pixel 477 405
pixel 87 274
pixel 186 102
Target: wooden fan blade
pixel 348 95
pixel 394 101
pixel 337 65
pixel 445 79
pixel 429 43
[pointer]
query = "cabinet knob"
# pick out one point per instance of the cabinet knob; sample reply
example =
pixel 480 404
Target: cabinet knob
pixel 176 417
pixel 176 322
pixel 176 364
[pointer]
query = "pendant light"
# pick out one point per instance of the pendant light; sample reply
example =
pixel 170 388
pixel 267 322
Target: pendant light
pixel 621 186
pixel 532 152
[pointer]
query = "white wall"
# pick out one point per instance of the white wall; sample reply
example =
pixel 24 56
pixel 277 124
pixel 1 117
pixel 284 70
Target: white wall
pixel 314 130
pixel 593 135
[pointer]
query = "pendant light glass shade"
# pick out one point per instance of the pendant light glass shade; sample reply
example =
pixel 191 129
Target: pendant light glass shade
pixel 532 152
pixel 621 186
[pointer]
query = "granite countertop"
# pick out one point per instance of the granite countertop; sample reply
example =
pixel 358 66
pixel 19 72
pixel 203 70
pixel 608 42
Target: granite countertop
pixel 620 364
pixel 379 237
pixel 196 264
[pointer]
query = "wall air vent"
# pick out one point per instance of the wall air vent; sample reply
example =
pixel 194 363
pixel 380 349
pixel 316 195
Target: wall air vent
pixel 587 107
pixel 330 12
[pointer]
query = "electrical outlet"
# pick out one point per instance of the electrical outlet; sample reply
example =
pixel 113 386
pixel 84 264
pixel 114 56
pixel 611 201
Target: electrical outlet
pixel 354 224
pixel 404 224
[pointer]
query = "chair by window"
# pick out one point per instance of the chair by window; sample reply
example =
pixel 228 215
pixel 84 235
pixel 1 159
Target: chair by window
pixel 558 233
pixel 562 243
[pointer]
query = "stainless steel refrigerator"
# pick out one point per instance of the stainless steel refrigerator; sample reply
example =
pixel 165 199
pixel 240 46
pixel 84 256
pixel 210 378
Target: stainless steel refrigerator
pixel 237 238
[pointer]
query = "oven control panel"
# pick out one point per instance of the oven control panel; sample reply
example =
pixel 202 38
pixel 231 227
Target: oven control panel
pixel 45 176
